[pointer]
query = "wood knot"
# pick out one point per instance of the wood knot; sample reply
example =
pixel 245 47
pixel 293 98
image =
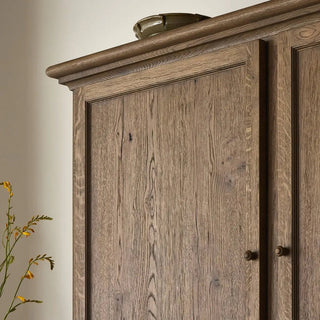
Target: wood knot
pixel 307 32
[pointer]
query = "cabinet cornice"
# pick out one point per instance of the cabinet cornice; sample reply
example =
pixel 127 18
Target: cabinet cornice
pixel 249 19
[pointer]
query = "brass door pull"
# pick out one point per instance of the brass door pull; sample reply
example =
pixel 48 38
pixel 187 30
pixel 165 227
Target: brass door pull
pixel 249 255
pixel 281 251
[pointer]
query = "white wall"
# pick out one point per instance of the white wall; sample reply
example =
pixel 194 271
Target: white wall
pixel 36 122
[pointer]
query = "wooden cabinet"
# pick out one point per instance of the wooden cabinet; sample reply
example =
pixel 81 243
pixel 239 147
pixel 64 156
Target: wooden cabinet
pixel 195 157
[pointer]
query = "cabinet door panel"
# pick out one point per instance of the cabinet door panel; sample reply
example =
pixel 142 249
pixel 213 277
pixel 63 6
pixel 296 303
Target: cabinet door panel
pixel 176 190
pixel 308 184
pixel 295 279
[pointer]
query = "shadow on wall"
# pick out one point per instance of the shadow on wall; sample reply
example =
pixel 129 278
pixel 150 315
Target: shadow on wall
pixel 36 156
pixel 13 130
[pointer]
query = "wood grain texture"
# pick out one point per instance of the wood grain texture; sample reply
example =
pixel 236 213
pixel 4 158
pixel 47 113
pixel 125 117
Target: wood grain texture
pixel 246 17
pixel 265 29
pixel 173 172
pixel 280 178
pixel 308 181
pixel 79 208
pixel 162 74
pixel 289 84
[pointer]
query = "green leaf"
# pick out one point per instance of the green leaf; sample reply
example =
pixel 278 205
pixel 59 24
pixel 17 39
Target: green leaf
pixel 11 259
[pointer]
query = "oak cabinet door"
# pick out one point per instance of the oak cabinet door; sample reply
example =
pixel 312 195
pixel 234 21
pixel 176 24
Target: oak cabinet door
pixel 170 190
pixel 296 278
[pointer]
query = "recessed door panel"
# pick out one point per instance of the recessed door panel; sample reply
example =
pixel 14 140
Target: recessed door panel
pixel 175 186
pixel 307 106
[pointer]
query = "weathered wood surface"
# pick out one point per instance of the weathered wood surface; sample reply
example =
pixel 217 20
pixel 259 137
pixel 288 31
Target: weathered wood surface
pixel 80 227
pixel 306 80
pixel 294 100
pixel 174 171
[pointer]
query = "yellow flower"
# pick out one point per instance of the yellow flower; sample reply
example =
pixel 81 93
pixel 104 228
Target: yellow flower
pixel 27 234
pixel 29 275
pixel 21 298
pixel 7 185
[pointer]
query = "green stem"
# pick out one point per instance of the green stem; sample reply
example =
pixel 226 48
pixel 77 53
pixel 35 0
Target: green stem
pixel 4 261
pixel 16 292
pixel 7 249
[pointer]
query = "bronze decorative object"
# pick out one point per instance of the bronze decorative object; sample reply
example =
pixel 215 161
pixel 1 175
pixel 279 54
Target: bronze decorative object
pixel 152 25
pixel 281 251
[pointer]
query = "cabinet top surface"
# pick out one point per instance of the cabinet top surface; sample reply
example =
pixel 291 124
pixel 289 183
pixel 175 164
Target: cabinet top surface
pixel 248 19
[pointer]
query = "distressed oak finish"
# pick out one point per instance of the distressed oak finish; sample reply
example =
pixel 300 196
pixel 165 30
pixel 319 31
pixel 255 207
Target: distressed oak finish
pixel 80 226
pixel 293 178
pixel 308 180
pixel 184 159
pixel 173 171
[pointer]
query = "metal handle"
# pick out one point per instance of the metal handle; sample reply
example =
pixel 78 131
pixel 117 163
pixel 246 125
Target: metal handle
pixel 249 255
pixel 281 251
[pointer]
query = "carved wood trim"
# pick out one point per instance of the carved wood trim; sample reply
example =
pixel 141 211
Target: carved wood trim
pixel 231 24
pixel 161 75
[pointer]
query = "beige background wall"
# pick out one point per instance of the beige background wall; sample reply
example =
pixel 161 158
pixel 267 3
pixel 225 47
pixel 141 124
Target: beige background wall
pixel 36 122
